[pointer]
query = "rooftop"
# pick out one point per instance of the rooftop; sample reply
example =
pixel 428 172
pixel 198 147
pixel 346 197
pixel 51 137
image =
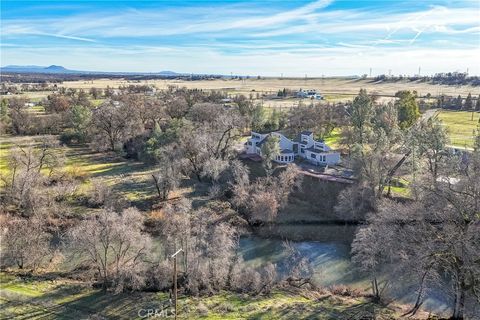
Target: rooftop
pixel 312 149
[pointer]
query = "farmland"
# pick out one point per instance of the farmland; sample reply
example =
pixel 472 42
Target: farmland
pixel 333 89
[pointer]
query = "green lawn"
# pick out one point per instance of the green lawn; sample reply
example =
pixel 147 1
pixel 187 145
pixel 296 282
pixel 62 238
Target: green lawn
pixel 38 110
pixel 460 126
pixel 97 102
pixel 37 298
pixel 333 140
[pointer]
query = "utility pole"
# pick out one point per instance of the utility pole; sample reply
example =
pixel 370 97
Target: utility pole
pixel 174 256
pixel 370 72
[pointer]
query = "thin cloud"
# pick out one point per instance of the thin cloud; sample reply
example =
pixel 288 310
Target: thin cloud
pixel 62 36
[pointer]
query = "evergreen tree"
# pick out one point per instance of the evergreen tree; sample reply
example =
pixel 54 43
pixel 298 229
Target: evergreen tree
pixel 270 151
pixel 407 107
pixel 469 102
pixel 80 120
pixel 458 102
pixel 361 113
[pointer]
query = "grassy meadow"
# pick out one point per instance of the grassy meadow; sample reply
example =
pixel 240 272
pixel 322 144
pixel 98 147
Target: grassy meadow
pixel 29 297
pixel 461 126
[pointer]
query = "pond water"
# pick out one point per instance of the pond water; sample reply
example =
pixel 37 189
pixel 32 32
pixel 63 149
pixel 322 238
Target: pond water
pixel 327 247
pixel 328 250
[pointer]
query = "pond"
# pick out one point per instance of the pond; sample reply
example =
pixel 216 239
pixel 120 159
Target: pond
pixel 327 247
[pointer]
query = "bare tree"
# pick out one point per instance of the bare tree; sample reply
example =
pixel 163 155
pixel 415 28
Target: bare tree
pixel 114 124
pixel 208 245
pixel 262 199
pixel 166 179
pixel 114 245
pixel 20 118
pixel 25 182
pixel 24 243
pixel 430 139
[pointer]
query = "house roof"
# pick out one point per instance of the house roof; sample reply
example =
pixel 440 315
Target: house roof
pixel 286 151
pixel 315 150
pixel 307 133
pixel 262 141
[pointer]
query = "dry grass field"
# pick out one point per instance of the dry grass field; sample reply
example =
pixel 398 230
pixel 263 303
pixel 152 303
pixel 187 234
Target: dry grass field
pixel 333 87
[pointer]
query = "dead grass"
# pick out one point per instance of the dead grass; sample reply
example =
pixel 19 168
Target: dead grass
pixel 332 88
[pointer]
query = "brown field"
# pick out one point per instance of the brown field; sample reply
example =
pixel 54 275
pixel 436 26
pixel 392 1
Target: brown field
pixel 333 89
pixel 265 89
pixel 329 86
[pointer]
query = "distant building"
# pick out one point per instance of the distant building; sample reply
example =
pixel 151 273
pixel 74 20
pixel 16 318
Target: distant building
pixel 303 146
pixel 309 94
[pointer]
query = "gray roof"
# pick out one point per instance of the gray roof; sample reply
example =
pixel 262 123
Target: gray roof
pixel 262 141
pixel 307 133
pixel 285 151
pixel 312 149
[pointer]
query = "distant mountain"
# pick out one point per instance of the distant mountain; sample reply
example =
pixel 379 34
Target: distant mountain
pixel 54 68
pixel 37 69
pixel 63 70
pixel 14 67
pixel 169 73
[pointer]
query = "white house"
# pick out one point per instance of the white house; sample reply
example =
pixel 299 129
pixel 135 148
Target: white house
pixel 310 94
pixel 303 146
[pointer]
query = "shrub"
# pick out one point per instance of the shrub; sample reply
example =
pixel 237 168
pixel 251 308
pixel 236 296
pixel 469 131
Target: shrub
pixel 343 290
pixel 202 310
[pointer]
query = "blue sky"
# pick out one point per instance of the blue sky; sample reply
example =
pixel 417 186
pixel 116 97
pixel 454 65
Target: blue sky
pixel 324 37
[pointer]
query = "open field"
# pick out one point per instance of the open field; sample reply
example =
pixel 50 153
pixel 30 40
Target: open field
pixel 41 298
pixel 461 127
pixel 130 179
pixel 333 89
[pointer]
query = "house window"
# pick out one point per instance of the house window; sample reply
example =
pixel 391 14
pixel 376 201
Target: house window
pixel 302 150
pixel 324 158
pixel 313 155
